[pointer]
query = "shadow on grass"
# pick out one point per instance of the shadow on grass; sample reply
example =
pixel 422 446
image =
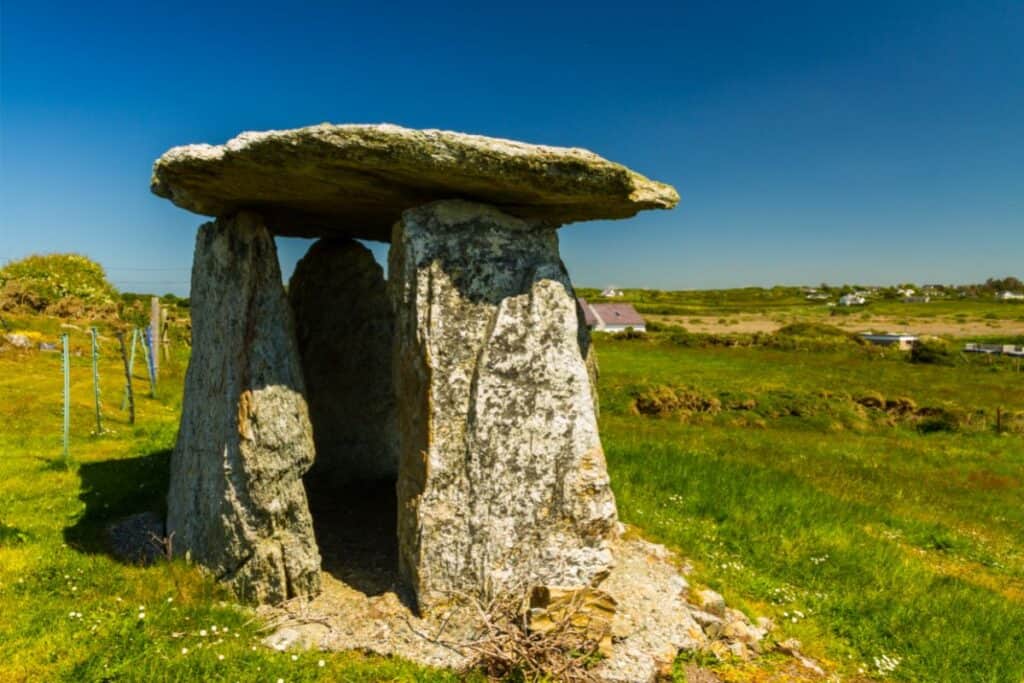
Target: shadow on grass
pixel 113 489
pixel 11 536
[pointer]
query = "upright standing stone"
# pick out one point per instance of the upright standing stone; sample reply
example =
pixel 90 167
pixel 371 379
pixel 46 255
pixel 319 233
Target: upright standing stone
pixel 344 326
pixel 236 502
pixel 502 479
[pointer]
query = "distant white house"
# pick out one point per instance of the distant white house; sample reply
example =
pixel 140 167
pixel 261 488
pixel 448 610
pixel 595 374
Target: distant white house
pixel 1009 296
pixel 906 292
pixel 904 342
pixel 817 296
pixel 997 349
pixel 611 317
pixel 852 300
pixel 609 292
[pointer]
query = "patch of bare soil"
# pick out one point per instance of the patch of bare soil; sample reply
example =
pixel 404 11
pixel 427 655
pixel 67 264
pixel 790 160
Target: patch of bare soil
pixel 361 607
pixel 748 324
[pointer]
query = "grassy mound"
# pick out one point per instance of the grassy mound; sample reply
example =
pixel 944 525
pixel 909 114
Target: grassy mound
pixel 812 330
pixel 66 285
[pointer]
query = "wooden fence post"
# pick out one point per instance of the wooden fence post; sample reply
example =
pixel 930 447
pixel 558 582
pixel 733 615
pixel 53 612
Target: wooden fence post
pixel 154 335
pixel 131 365
pixel 165 338
pixel 67 397
pixel 147 354
pixel 96 378
pixel 129 398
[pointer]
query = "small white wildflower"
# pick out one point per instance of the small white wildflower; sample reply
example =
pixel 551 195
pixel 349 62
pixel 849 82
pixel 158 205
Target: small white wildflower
pixel 170 599
pixel 142 615
pixel 202 632
pixel 184 650
pixel 321 663
pixel 295 658
pixel 220 658
pixel 214 628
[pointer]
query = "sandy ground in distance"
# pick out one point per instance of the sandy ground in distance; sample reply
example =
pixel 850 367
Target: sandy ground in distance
pixel 758 323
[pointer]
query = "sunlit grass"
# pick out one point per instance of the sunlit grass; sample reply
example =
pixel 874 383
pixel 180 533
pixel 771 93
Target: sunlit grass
pixel 68 610
pixel 870 543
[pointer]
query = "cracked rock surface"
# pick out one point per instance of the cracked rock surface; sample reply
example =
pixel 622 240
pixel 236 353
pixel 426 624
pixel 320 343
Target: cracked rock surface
pixel 236 502
pixel 502 480
pixel 356 180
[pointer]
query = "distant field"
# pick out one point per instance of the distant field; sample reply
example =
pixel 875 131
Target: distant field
pixel 864 533
pixel 765 310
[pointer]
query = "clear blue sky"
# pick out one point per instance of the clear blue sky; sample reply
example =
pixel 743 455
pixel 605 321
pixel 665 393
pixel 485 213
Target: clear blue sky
pixel 822 141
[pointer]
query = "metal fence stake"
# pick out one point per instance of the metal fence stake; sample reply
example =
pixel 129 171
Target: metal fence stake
pixel 67 398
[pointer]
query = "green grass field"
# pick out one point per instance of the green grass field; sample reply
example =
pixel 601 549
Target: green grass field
pixel 861 533
pixel 863 538
pixel 68 611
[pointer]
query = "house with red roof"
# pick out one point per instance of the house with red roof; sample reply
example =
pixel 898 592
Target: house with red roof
pixel 611 317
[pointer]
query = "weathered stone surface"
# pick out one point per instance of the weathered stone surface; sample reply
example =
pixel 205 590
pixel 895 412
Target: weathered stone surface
pixel 344 327
pixel 653 621
pixel 711 602
pixel 236 502
pixel 138 538
pixel 355 180
pixel 502 478
pixel 19 341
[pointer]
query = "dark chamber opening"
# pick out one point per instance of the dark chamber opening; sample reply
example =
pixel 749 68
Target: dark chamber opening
pixel 355 531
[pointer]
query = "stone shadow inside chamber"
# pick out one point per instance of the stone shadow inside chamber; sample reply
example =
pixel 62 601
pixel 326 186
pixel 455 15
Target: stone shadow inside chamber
pixel 355 531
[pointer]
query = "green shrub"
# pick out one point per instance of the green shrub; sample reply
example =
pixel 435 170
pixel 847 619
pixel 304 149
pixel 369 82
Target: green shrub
pixel 61 284
pixel 630 333
pixel 933 352
pixel 665 400
pixel 942 420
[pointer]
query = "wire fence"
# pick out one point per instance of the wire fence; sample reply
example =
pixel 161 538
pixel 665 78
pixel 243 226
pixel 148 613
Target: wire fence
pixel 129 344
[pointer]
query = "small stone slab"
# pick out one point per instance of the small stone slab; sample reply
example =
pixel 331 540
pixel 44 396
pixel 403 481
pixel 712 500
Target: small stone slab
pixel 355 180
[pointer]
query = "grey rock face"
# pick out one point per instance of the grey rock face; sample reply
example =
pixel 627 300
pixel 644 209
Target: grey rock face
pixel 345 328
pixel 502 479
pixel 236 502
pixel 355 180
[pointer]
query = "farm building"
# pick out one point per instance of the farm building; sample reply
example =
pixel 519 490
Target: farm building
pixel 995 349
pixel 611 317
pixel 1010 296
pixel 852 300
pixel 609 292
pixel 904 342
